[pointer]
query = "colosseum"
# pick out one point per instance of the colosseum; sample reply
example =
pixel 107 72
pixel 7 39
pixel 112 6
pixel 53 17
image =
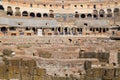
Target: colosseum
pixel 59 39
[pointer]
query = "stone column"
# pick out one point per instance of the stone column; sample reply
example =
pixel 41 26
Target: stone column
pixel 57 31
pixel 71 31
pixel 68 31
pixel 63 30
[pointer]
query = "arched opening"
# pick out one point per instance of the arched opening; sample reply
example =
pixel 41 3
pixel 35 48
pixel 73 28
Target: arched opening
pixel 9 11
pixel 89 15
pixel 27 29
pixel 38 14
pixel 4 30
pixel 83 16
pixel 78 29
pixel 32 14
pixel 85 24
pixel 12 28
pixel 45 15
pixel 116 12
pixel 24 13
pixel 95 13
pixel 33 29
pixel 70 15
pixel 17 12
pixel 109 13
pixel 66 30
pixel 76 15
pixel 101 13
pixel 1 7
pixel 51 15
pixel 57 15
pixel 64 16
pixel 53 29
pixel 95 16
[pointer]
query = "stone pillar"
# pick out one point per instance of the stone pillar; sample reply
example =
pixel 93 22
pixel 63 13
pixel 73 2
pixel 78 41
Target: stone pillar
pixel 74 30
pixel 57 31
pixel 63 30
pixel 71 31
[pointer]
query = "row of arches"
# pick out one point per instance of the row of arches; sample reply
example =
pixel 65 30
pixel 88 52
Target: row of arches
pixel 32 14
pixel 95 14
pixel 57 30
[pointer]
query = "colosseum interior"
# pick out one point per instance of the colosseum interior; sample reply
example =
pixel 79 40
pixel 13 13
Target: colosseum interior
pixel 59 39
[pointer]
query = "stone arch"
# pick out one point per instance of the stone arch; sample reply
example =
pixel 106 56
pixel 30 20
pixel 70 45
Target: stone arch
pixel 53 29
pixel 109 13
pixel 76 15
pixel 57 15
pixel 78 30
pixel 64 16
pixel 66 30
pixel 89 15
pixel 51 15
pixel 74 30
pixel 17 12
pixel 12 28
pixel 34 29
pixel 38 14
pixel 116 12
pixel 1 7
pixel 101 13
pixel 27 28
pixel 45 15
pixel 4 30
pixel 95 13
pixel 9 11
pixel 32 14
pixel 70 15
pixel 24 13
pixel 83 15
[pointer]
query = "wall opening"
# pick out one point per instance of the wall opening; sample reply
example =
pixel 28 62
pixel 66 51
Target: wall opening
pixel 1 7
pixel 9 11
pixel 101 13
pixel 45 15
pixel 32 14
pixel 109 13
pixel 83 16
pixel 116 12
pixel 76 15
pixel 89 15
pixel 38 14
pixel 51 15
pixel 4 30
pixel 24 13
